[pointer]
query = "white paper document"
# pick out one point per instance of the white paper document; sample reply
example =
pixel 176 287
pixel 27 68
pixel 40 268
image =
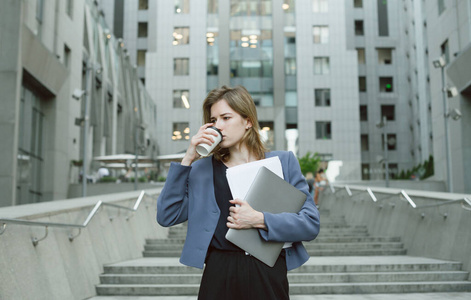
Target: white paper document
pixel 240 177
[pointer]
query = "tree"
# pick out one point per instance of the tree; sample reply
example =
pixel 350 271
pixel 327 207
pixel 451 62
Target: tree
pixel 309 162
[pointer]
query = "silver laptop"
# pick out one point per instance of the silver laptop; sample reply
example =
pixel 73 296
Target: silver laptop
pixel 268 193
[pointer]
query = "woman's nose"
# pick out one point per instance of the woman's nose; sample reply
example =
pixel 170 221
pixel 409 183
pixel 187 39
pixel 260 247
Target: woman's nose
pixel 217 124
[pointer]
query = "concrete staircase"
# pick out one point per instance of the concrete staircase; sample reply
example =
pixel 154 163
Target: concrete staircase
pixel 345 260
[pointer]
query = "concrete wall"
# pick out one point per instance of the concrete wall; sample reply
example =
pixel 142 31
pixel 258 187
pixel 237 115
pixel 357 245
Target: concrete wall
pixel 422 185
pixel 432 236
pixel 10 83
pixel 59 269
pixel 75 190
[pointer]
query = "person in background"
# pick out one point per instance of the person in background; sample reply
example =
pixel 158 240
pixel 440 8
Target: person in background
pixel 197 191
pixel 310 182
pixel 319 182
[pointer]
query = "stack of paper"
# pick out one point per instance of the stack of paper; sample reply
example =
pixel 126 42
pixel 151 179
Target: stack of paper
pixel 240 177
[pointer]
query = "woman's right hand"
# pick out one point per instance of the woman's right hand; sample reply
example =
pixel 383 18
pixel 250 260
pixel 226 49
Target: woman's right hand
pixel 202 136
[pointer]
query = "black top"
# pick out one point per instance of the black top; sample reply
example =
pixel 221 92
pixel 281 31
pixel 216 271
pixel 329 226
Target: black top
pixel 223 195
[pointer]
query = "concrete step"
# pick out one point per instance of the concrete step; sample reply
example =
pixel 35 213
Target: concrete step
pixel 357 252
pixel 295 289
pixel 295 277
pixel 403 296
pixel 369 245
pixel 327 264
pixel 313 252
pixel 309 246
pixel 320 239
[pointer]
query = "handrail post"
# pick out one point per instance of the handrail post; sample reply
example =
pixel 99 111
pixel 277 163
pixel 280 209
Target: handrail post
pixel 348 190
pixel 412 203
pixel 36 240
pixel 370 192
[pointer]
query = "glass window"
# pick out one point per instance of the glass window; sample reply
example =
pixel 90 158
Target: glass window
pixel 445 51
pixel 181 66
pixel 359 31
pixel 267 132
pixel 262 99
pixel 321 65
pixel 181 131
pixel 30 148
pixel 39 10
pixel 363 113
pixel 143 4
pixel 320 6
pixel 441 6
pixel 382 9
pixel 361 56
pixel 358 3
pixel 66 56
pixel 320 34
pixel 213 6
pixel 323 130
pixel 142 29
pixel 141 57
pixel 322 97
pixel 388 112
pixel 291 98
pixel 365 171
pixel 181 36
pixel 69 8
pixel 386 84
pixel 288 6
pixel 252 39
pixel 384 56
pixel 362 83
pixel 181 99
pixel 212 51
pixel 290 66
pixel 364 142
pixel 251 7
pixel 251 68
pixel 182 6
pixel 391 141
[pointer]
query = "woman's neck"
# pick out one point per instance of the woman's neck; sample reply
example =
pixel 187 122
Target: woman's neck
pixel 239 155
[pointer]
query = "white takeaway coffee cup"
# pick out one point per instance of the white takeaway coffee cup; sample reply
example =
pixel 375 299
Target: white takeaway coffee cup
pixel 204 149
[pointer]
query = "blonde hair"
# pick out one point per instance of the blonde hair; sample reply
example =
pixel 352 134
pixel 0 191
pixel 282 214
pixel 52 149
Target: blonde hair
pixel 239 99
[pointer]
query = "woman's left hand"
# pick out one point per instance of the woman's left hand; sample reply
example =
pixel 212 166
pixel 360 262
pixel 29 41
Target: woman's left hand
pixel 244 216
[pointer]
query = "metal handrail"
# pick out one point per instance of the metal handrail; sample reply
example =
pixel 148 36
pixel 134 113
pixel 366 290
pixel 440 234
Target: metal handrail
pixel 5 221
pixel 403 194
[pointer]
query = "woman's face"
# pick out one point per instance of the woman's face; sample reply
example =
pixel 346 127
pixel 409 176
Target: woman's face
pixel 231 124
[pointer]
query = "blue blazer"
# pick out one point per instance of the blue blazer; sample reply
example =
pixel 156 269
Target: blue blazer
pixel 188 194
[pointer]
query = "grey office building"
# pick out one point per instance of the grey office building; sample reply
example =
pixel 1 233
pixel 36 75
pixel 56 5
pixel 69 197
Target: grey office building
pixel 325 75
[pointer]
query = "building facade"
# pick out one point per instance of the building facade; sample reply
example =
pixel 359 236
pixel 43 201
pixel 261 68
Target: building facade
pixel 394 43
pixel 448 33
pixel 67 88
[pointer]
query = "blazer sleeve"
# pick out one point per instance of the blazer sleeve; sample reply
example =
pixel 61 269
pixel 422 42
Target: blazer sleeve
pixel 293 227
pixel 172 204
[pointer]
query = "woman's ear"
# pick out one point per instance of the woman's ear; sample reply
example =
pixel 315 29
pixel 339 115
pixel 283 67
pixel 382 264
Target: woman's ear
pixel 248 125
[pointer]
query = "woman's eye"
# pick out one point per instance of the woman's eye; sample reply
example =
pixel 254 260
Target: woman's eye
pixel 226 118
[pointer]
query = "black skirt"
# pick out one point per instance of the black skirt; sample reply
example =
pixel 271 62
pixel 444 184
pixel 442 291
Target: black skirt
pixel 235 275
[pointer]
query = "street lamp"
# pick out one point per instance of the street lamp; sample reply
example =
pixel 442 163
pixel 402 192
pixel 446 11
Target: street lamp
pixel 382 125
pixel 455 114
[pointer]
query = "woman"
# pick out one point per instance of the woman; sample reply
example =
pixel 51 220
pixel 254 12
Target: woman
pixel 319 181
pixel 197 191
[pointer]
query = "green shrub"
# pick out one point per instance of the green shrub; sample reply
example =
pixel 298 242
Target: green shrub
pixel 107 179
pixel 309 162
